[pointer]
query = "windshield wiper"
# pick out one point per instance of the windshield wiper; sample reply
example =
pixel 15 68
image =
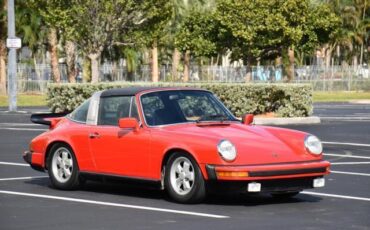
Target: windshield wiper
pixel 212 118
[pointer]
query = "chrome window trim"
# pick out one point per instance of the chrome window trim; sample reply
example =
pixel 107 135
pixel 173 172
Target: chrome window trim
pixel 129 113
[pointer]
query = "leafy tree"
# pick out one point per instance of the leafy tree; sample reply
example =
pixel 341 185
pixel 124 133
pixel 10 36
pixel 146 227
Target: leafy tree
pixel 180 13
pixel 100 24
pixel 54 19
pixel 255 30
pixel 152 32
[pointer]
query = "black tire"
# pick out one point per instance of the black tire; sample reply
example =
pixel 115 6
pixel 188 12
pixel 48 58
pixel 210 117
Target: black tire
pixel 63 181
pixel 197 191
pixel 285 195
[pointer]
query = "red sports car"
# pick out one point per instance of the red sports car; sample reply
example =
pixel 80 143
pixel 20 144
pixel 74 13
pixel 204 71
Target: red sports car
pixel 183 140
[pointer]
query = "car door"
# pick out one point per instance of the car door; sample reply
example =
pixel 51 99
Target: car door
pixel 116 151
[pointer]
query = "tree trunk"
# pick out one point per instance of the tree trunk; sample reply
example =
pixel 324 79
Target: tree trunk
pixel 86 70
pixel 155 75
pixel 94 58
pixel 290 69
pixel 175 63
pixel 278 61
pixel 355 61
pixel 248 75
pixel 186 66
pixel 70 49
pixel 53 50
pixel 3 54
pixel 328 55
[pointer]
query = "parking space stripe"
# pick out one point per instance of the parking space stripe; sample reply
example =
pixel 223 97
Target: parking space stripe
pixel 341 143
pixel 336 196
pixel 349 156
pixel 12 163
pixel 351 173
pixel 18 124
pixel 114 204
pixel 23 178
pixel 350 163
pixel 22 129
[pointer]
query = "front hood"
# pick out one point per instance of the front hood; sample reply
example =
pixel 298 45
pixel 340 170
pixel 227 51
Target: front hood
pixel 254 144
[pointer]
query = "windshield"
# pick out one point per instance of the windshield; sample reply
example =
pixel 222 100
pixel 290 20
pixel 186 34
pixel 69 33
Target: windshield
pixel 181 106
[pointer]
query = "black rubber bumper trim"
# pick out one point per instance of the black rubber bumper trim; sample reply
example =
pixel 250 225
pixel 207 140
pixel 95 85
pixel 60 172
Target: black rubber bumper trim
pixel 287 172
pixel 211 172
pixel 27 157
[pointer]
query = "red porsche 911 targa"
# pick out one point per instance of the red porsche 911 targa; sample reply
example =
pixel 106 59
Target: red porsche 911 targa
pixel 183 140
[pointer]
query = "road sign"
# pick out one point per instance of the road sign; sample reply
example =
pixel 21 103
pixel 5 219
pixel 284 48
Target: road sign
pixel 14 43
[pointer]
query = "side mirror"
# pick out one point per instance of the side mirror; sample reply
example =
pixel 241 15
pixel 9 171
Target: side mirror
pixel 247 119
pixel 128 123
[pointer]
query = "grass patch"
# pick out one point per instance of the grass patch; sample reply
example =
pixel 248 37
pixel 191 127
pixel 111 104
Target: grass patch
pixel 340 96
pixel 25 100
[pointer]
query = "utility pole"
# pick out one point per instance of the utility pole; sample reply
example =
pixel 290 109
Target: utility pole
pixel 12 43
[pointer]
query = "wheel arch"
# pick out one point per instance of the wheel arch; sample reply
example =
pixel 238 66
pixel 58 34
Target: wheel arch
pixel 171 151
pixel 48 148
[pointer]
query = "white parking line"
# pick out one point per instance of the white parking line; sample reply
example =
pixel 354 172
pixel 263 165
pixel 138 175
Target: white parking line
pixel 18 124
pixel 22 129
pixel 336 196
pixel 354 118
pixel 12 163
pixel 113 204
pixel 350 163
pixel 347 156
pixel 351 173
pixel 341 143
pixel 23 178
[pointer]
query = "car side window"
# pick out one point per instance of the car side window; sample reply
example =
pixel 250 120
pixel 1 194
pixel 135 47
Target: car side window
pixel 80 113
pixel 111 109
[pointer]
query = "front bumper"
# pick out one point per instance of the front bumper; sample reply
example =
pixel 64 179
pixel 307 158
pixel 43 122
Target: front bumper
pixel 282 177
pixel 27 157
pixel 268 171
pixel 268 186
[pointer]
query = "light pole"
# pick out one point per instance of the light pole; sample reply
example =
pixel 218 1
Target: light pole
pixel 12 43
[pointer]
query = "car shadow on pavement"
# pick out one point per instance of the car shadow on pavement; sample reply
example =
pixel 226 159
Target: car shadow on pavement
pixel 258 199
pixel 141 191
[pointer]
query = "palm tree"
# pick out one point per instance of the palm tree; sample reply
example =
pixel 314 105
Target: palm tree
pixel 181 10
pixel 351 36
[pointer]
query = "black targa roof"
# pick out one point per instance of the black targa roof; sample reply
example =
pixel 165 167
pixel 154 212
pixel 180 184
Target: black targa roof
pixel 131 91
pixel 127 91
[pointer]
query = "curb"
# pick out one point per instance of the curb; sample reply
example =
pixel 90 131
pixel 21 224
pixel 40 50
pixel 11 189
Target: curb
pixel 362 101
pixel 287 121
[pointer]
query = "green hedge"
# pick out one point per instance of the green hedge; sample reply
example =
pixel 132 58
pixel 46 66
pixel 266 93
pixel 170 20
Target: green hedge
pixel 286 100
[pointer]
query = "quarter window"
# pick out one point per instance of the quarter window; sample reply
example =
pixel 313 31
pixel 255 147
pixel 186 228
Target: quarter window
pixel 80 113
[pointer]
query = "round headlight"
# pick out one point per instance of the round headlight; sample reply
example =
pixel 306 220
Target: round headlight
pixel 313 144
pixel 227 150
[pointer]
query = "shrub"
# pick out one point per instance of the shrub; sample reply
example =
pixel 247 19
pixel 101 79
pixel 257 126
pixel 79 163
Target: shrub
pixel 286 100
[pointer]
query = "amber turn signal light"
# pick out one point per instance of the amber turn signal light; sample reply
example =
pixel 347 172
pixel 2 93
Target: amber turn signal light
pixel 232 174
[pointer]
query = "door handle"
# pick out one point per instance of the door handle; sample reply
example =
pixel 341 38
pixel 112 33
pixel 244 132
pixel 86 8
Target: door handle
pixel 94 135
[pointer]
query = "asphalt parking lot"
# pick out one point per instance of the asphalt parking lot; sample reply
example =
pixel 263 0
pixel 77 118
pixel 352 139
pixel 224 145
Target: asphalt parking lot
pixel 28 202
